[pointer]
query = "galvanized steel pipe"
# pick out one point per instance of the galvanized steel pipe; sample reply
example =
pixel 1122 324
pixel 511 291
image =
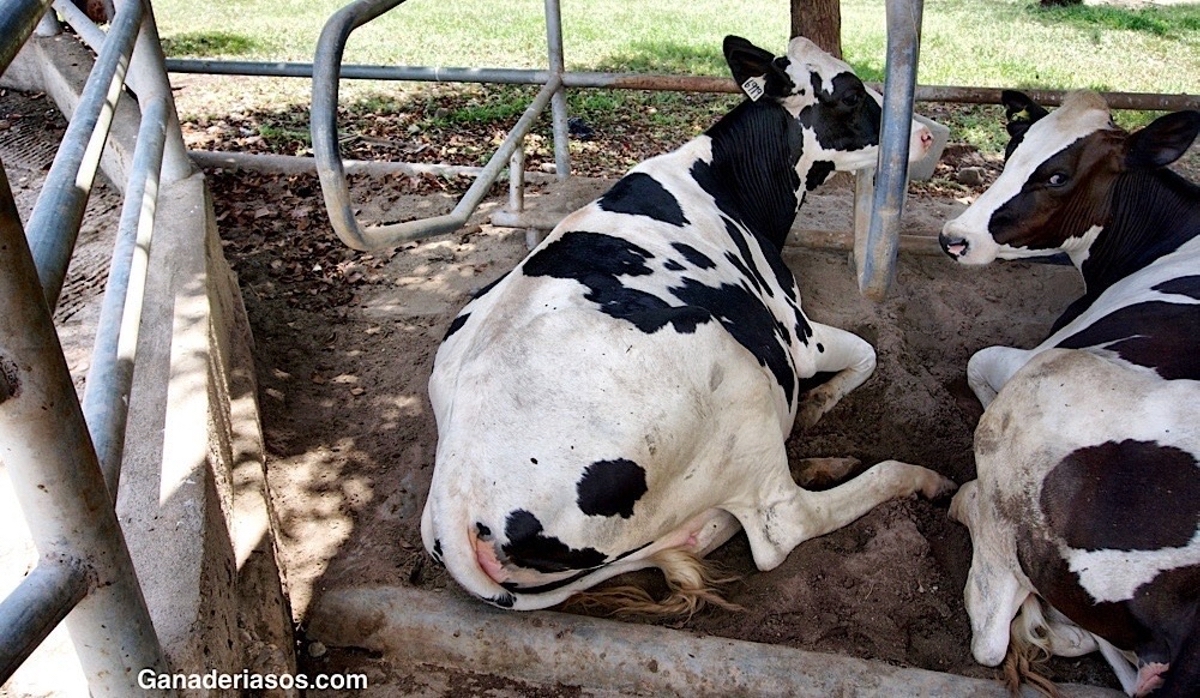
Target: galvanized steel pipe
pixel 45 447
pixel 54 223
pixel 558 103
pixel 334 187
pixel 106 396
pixel 18 18
pixel 633 81
pixel 36 607
pixel 876 260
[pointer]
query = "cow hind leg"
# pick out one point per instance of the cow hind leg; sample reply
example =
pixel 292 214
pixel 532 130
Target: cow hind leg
pixel 777 524
pixel 849 357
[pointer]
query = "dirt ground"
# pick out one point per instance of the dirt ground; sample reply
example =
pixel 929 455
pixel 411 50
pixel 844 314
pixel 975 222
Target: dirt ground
pixel 344 344
pixel 343 370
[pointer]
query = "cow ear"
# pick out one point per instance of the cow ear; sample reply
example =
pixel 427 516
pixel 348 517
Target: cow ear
pixel 1163 141
pixel 1021 111
pixel 752 66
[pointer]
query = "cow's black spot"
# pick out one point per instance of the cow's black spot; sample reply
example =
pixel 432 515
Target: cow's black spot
pixel 528 546
pixel 694 256
pixel 1183 286
pixel 818 173
pixel 844 119
pixel 639 194
pixel 752 177
pixel 437 550
pixel 1155 334
pixel 748 321
pixel 558 584
pixel 482 531
pixel 456 325
pixel 596 261
pixel 611 487
pixel 672 265
pixel 1099 497
pixel 744 260
pixel 503 600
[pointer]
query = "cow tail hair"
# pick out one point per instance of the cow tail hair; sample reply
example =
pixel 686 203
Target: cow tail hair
pixel 1029 646
pixel 692 585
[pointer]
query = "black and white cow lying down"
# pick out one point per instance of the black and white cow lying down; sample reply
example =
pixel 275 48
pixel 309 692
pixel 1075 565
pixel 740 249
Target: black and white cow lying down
pixel 1085 516
pixel 621 399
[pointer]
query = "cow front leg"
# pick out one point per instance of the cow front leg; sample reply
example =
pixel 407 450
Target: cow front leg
pixel 989 369
pixel 850 357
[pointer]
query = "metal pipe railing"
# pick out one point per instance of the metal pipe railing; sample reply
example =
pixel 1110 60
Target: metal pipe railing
pixel 18 19
pixel 334 187
pixel 35 608
pixel 634 81
pixel 106 394
pixel 57 479
pixel 56 217
pixel 875 258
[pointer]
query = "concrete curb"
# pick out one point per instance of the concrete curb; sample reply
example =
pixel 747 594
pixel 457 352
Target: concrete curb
pixel 413 627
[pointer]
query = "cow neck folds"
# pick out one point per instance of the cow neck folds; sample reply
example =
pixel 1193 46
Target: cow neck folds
pixel 1152 214
pixel 755 149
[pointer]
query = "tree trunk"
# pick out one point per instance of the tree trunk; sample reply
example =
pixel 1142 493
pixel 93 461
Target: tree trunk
pixel 820 21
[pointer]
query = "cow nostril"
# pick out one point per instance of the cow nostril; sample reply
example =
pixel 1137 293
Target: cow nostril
pixel 953 245
pixel 926 138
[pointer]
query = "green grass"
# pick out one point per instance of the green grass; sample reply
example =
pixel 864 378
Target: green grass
pixel 990 43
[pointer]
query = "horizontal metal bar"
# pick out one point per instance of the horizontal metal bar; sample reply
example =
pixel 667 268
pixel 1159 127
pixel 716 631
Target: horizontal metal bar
pixel 35 608
pixel 54 223
pixel 298 164
pixel 633 81
pixel 106 396
pixel 18 18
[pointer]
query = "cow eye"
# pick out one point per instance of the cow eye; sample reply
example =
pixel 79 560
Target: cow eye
pixel 851 99
pixel 1056 180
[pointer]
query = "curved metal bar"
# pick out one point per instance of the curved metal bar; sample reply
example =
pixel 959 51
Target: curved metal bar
pixel 876 261
pixel 330 170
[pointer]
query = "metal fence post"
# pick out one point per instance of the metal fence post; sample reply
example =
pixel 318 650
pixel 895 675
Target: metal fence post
pixel 876 260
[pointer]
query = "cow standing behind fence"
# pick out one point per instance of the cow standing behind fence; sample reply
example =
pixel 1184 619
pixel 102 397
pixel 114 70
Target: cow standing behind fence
pixel 621 399
pixel 1085 516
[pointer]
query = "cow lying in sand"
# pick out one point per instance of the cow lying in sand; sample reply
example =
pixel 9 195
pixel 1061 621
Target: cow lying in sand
pixel 621 399
pixel 1085 517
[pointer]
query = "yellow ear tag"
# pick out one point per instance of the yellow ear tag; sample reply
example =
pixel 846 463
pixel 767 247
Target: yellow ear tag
pixel 755 87
pixel 1022 115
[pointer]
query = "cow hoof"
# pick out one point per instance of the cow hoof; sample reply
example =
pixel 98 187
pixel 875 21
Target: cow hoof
pixel 935 486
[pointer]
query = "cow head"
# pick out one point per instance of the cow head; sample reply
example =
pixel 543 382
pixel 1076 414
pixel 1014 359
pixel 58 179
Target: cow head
pixel 1055 193
pixel 840 117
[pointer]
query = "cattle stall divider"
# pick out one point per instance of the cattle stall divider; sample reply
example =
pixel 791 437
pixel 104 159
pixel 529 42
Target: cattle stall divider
pixel 876 239
pixel 879 192
pixel 63 457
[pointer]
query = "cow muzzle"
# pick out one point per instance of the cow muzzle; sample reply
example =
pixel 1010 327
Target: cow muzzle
pixel 953 245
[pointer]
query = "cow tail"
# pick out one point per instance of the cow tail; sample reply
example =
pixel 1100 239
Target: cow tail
pixel 1029 646
pixel 691 583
